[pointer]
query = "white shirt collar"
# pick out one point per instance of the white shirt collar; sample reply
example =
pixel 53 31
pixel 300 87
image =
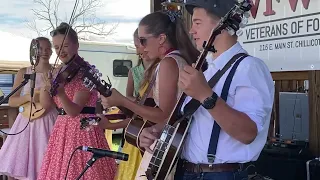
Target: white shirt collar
pixel 223 59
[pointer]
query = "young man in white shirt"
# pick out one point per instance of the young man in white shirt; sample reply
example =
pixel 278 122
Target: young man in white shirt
pixel 245 117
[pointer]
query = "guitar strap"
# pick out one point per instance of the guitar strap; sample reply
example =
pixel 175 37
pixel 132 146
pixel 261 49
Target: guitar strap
pixel 212 149
pixel 193 105
pixel 147 91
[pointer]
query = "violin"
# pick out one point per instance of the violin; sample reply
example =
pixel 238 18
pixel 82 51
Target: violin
pixel 67 72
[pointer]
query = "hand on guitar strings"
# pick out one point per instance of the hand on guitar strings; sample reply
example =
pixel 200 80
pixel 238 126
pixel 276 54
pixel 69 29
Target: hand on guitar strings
pixel 148 136
pixel 193 83
pixel 116 99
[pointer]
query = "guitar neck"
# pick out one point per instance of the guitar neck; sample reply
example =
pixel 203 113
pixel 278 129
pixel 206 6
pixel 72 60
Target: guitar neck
pixel 200 61
pixel 115 116
pixel 176 113
pixel 107 93
pixel 126 111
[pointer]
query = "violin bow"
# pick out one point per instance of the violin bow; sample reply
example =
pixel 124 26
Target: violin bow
pixel 63 41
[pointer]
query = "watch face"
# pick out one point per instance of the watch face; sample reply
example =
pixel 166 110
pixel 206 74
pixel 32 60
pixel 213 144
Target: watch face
pixel 210 102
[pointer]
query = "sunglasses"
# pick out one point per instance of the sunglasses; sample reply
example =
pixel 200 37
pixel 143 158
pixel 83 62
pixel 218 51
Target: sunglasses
pixel 144 40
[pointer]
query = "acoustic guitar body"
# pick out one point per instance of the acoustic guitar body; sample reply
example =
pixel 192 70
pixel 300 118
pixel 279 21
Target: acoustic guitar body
pixel 136 125
pixel 37 109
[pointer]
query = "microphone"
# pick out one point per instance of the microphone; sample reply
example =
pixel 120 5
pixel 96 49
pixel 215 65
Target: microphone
pixel 34 60
pixel 103 153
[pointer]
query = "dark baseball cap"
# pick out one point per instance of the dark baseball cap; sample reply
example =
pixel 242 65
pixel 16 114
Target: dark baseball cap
pixel 217 7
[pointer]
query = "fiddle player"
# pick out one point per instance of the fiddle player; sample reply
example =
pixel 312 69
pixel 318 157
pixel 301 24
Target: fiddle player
pixel 74 102
pixel 245 117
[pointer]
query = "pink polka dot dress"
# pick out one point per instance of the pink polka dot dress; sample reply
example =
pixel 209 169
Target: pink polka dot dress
pixel 66 136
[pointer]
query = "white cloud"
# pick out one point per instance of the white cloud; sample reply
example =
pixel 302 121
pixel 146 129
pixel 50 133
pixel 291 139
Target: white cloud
pixel 14 13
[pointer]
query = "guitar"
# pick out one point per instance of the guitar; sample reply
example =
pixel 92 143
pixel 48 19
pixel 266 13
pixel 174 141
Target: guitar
pixel 92 80
pixel 36 111
pixel 136 125
pixel 167 149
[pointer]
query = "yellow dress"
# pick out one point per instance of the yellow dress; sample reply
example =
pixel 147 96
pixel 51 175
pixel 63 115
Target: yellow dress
pixel 108 132
pixel 127 169
pixel 137 74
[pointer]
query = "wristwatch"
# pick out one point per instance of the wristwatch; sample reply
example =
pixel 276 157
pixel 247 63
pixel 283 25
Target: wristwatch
pixel 210 102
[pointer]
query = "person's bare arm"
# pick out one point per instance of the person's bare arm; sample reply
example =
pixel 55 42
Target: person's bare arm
pixel 168 78
pixel 75 106
pixel 16 100
pixel 118 125
pixel 106 124
pixel 130 86
pixel 46 100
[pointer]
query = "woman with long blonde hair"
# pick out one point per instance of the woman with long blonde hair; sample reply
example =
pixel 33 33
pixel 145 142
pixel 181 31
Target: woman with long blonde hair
pixel 21 155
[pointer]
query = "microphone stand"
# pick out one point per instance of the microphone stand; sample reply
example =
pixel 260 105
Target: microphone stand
pixel 26 77
pixel 34 57
pixel 34 60
pixel 33 81
pixel 89 164
pixel 34 48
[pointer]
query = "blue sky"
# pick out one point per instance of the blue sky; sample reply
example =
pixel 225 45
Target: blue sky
pixel 14 15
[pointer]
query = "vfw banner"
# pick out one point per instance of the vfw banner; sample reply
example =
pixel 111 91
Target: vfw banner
pixel 285 34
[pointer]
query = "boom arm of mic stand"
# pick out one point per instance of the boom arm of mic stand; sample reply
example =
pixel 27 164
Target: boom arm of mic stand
pixel 23 83
pixel 88 164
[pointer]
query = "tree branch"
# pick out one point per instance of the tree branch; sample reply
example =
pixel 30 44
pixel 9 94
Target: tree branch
pixel 84 21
